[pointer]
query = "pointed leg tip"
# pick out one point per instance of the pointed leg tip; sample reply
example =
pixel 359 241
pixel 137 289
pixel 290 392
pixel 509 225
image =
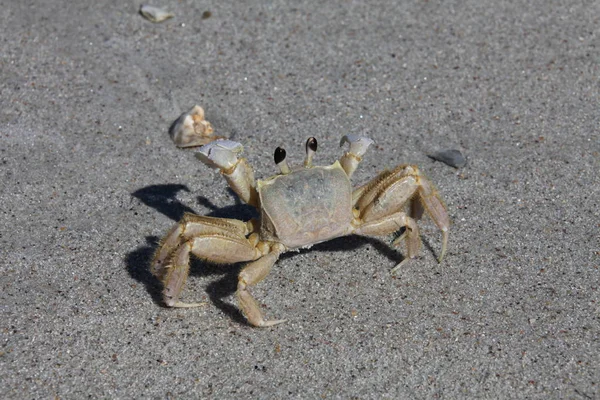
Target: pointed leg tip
pixel 269 323
pixel 400 265
pixel 441 257
pixel 181 304
pixel 444 246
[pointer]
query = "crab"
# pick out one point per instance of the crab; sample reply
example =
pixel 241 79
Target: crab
pixel 298 208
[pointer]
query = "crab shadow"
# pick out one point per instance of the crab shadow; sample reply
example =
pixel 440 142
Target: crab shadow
pixel 163 199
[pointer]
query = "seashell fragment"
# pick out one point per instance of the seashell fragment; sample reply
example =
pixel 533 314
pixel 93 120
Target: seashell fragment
pixel 453 158
pixel 155 14
pixel 191 129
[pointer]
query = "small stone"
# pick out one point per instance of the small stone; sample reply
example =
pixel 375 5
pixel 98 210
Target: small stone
pixel 453 158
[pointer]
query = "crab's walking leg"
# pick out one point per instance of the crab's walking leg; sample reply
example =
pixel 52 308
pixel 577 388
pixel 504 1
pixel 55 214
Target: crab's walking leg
pixel 175 276
pixel 379 204
pixel 390 224
pixel 217 240
pixel 223 154
pixel 249 276
pixel 351 158
pixel 431 201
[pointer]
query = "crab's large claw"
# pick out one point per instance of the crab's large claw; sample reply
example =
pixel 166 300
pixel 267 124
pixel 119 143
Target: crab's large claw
pixel 223 155
pixel 358 147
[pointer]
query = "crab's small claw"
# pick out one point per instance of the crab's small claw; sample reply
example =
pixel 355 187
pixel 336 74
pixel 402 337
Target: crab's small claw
pixel 358 144
pixel 358 147
pixel 221 154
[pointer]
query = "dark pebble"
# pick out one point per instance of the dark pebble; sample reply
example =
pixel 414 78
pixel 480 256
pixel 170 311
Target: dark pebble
pixel 453 158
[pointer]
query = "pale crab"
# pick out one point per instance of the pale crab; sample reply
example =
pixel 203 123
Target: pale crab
pixel 298 208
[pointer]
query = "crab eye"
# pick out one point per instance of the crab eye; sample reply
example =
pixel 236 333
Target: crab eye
pixel 279 157
pixel 311 145
pixel 311 148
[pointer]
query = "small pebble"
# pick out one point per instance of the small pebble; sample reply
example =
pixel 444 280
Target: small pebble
pixel 453 158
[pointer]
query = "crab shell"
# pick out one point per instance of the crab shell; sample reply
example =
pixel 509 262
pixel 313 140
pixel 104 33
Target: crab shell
pixel 305 207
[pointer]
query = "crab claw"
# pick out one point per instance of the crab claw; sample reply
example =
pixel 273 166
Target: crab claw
pixel 358 147
pixel 358 144
pixel 221 154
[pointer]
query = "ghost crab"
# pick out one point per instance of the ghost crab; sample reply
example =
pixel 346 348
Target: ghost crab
pixel 298 208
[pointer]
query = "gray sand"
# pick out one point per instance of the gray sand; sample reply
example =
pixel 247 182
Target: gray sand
pixel 91 182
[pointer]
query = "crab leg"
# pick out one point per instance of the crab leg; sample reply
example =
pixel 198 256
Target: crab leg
pixel 386 195
pixel 175 275
pixel 431 201
pixel 190 225
pixel 223 155
pixel 217 240
pixel 393 223
pixel 252 274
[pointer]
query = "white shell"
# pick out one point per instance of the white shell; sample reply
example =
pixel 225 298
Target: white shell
pixel 191 129
pixel 155 14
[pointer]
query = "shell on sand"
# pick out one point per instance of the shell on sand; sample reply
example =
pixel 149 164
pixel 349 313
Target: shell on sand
pixel 191 129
